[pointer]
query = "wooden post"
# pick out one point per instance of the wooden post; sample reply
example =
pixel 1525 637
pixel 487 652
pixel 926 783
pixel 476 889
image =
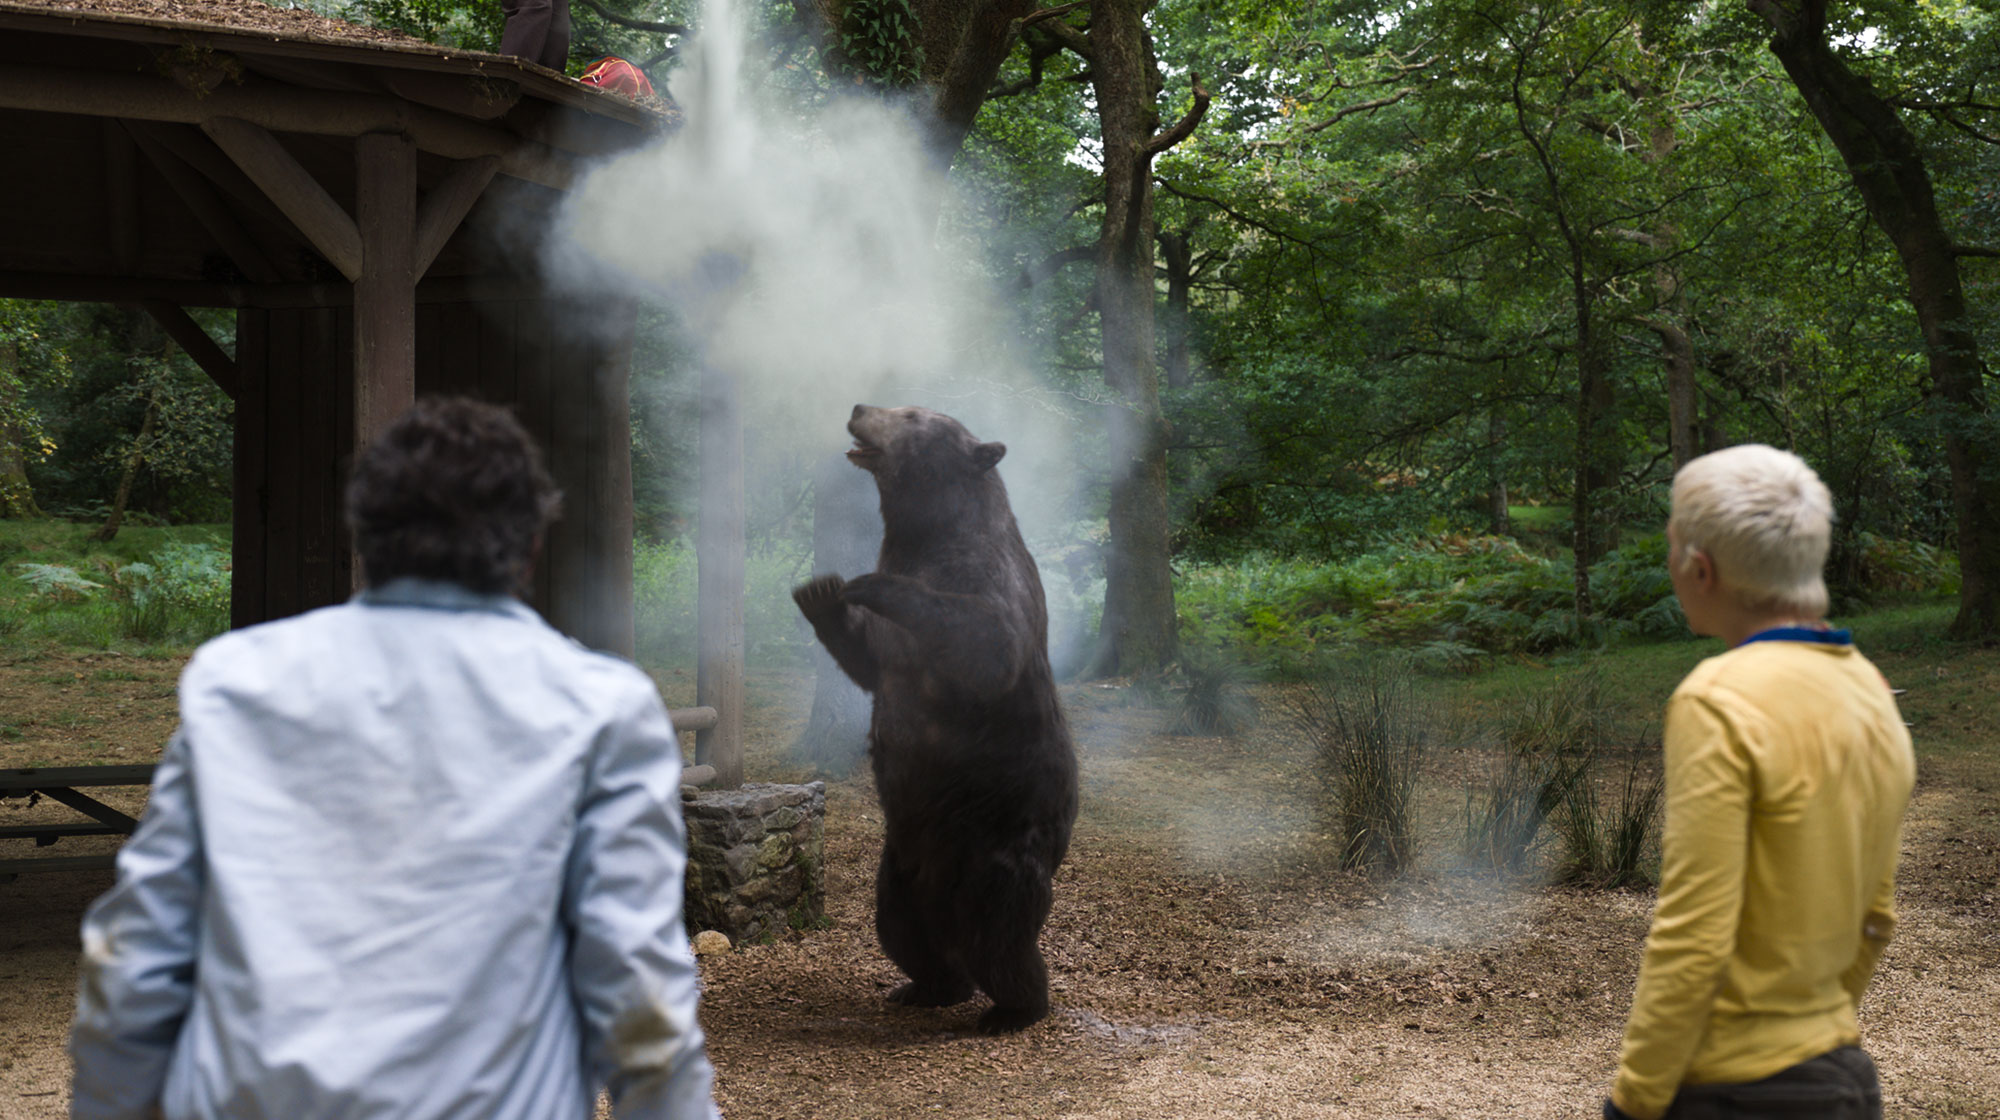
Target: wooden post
pixel 385 293
pixel 719 554
pixel 608 498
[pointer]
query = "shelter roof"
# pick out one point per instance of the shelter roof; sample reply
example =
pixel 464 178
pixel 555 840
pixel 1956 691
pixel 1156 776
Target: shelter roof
pixel 177 145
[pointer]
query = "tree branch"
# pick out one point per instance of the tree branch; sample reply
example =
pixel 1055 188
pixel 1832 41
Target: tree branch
pixel 1184 127
pixel 1071 38
pixel 1054 262
pixel 1360 107
pixel 1033 18
pixel 1975 250
pixel 610 16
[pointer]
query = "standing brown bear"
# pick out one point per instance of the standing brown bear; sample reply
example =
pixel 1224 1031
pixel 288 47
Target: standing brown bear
pixel 972 756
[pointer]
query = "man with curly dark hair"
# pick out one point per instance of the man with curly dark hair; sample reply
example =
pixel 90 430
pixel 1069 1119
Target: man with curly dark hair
pixel 414 855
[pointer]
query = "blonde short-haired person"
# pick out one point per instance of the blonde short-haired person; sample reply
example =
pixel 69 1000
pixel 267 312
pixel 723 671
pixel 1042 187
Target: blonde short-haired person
pixel 1788 768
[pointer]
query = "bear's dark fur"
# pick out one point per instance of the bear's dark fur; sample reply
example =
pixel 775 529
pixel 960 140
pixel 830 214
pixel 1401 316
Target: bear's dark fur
pixel 972 756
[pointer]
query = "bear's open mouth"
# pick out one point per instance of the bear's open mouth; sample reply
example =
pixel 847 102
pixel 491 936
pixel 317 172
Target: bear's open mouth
pixel 862 449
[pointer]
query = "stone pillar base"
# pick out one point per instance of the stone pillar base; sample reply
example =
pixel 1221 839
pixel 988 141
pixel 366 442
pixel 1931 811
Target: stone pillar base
pixel 755 859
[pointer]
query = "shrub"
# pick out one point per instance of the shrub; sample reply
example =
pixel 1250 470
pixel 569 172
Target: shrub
pixel 181 593
pixel 1608 845
pixel 1545 759
pixel 1216 699
pixel 57 581
pixel 665 623
pixel 1369 732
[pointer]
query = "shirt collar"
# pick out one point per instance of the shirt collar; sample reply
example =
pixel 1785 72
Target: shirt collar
pixel 438 594
pixel 1800 634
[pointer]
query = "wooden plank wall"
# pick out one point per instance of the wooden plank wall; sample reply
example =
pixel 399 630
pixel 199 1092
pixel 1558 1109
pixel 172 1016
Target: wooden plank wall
pixel 564 375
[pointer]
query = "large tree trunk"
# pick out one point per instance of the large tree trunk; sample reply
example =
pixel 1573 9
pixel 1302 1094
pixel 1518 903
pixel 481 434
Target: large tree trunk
pixel 1137 634
pixel 134 459
pixel 1593 510
pixel 1889 171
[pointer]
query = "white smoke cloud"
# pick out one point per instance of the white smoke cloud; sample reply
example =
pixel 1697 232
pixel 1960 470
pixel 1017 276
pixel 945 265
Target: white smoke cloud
pixel 800 256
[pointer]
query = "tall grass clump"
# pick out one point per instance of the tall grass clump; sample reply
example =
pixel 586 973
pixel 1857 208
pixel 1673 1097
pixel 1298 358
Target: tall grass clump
pixel 1547 751
pixel 1369 731
pixel 1215 699
pixel 1607 843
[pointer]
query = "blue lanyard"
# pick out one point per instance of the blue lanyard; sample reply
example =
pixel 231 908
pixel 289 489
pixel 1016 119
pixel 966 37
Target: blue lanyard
pixel 1800 634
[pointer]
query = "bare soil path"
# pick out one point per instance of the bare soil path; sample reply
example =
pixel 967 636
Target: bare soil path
pixel 1206 963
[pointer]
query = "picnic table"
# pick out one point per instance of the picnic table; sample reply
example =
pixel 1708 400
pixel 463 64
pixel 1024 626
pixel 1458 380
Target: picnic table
pixel 65 785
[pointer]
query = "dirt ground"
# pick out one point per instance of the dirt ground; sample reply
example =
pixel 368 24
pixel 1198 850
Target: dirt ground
pixel 1205 961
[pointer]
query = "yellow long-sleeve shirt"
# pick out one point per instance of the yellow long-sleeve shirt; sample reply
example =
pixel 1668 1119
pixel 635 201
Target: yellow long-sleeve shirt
pixel 1788 769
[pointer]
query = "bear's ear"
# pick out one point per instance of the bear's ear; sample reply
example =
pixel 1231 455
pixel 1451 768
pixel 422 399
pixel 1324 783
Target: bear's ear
pixel 986 455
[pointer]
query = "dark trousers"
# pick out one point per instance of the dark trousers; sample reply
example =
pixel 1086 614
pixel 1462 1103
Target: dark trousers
pixel 537 30
pixel 1837 1085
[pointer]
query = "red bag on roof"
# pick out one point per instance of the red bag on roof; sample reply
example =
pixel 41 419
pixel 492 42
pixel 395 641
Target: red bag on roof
pixel 618 76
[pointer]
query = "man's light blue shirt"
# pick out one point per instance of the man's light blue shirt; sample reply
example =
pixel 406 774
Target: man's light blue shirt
pixel 414 856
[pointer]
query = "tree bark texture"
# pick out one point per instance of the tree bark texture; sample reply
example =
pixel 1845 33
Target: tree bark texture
pixel 1889 171
pixel 1138 630
pixel 134 459
pixel 1179 261
pixel 964 46
pixel 1593 512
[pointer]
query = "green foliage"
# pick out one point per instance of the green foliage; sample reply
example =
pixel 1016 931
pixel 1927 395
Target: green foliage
pixel 1451 599
pixel 878 42
pixel 663 579
pixel 123 367
pixel 98 613
pixel 467 24
pixel 57 581
pixel 1369 730
pixel 181 594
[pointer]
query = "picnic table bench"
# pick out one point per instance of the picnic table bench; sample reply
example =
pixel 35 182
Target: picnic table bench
pixel 65 785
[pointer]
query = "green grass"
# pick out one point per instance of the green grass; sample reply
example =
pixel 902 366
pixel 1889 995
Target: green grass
pixel 1538 519
pixel 1949 698
pixel 31 622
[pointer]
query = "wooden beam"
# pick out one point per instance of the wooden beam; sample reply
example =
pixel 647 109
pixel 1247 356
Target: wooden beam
pixel 86 288
pixel 281 108
pixel 482 98
pixel 236 242
pixel 197 151
pixel 181 327
pixel 719 560
pixel 446 205
pixel 324 222
pixel 121 209
pixel 607 496
pixel 692 719
pixel 385 286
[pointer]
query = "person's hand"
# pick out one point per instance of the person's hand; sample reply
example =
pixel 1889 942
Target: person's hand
pixel 1613 1112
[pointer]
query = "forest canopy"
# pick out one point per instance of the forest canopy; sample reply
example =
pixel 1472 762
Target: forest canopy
pixel 1416 270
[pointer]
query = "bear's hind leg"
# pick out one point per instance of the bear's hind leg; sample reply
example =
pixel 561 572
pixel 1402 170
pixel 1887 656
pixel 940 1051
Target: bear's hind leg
pixel 1004 911
pixel 911 938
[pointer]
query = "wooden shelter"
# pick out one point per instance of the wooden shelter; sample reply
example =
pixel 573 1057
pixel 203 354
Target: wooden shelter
pixel 370 207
